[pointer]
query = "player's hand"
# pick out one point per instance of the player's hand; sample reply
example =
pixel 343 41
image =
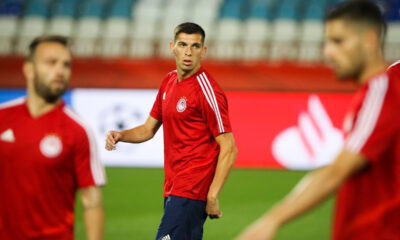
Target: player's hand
pixel 262 229
pixel 212 209
pixel 111 140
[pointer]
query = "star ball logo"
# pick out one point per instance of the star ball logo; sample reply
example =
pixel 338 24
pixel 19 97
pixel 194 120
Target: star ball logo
pixel 181 106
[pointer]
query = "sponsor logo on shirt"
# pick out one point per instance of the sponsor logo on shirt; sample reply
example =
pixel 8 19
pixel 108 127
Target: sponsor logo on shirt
pixel 181 106
pixel 8 136
pixel 51 146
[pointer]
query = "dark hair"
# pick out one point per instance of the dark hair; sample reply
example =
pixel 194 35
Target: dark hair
pixel 46 38
pixel 360 11
pixel 189 28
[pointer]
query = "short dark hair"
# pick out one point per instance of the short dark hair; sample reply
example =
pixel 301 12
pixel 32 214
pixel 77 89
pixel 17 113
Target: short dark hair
pixel 360 11
pixel 190 28
pixel 46 38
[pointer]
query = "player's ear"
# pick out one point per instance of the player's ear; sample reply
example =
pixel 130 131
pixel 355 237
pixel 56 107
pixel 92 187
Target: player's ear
pixel 27 69
pixel 371 42
pixel 203 53
pixel 172 47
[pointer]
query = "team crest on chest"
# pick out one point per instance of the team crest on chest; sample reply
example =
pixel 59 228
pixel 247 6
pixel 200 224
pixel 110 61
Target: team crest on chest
pixel 51 146
pixel 181 106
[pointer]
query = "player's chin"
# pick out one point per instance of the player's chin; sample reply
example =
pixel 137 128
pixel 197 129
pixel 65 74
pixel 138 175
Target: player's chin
pixel 187 67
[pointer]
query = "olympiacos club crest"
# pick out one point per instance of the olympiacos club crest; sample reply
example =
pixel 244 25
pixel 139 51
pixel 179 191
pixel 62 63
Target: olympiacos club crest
pixel 181 106
pixel 51 146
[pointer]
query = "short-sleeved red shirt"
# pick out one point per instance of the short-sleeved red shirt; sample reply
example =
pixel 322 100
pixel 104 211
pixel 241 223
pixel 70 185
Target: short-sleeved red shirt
pixel 193 112
pixel 43 161
pixel 368 204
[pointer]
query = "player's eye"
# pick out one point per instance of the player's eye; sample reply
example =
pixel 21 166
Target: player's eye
pixel 196 45
pixel 337 41
pixel 67 64
pixel 51 61
pixel 181 44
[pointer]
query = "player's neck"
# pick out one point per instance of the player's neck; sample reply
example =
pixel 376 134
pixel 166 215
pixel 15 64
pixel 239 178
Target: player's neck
pixel 373 67
pixel 38 106
pixel 185 74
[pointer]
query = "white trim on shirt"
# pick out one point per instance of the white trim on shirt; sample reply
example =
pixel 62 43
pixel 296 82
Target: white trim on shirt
pixel 368 114
pixel 95 163
pixel 12 103
pixel 208 92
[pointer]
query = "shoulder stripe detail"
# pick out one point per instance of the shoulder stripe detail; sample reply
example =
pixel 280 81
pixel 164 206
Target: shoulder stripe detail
pixel 395 63
pixel 368 114
pixel 210 96
pixel 12 103
pixel 95 163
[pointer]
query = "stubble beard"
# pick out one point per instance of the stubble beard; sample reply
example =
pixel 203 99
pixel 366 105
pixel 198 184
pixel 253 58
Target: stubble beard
pixel 45 91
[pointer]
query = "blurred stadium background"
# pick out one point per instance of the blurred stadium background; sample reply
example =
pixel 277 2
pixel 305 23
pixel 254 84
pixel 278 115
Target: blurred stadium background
pixel 265 53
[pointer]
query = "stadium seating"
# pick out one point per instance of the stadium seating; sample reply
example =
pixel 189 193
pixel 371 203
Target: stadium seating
pixel 88 28
pixel 235 29
pixel 229 30
pixel 63 15
pixel 174 13
pixel 257 29
pixel 285 31
pixel 146 16
pixel 392 47
pixel 116 28
pixel 33 23
pixel 10 11
pixel 311 33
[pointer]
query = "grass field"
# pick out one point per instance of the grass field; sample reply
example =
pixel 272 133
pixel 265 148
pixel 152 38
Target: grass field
pixel 133 204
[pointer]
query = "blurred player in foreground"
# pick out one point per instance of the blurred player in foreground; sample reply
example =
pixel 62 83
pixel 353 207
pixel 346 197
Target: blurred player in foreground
pixel 198 144
pixel 367 171
pixel 46 154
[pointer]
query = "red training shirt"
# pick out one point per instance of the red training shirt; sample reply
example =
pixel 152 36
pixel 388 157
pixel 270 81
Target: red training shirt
pixel 193 112
pixel 368 204
pixel 43 161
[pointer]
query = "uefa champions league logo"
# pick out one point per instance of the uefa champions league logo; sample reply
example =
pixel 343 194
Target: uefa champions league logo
pixel 181 106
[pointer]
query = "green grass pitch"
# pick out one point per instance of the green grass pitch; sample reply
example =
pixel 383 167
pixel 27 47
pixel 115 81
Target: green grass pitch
pixel 133 205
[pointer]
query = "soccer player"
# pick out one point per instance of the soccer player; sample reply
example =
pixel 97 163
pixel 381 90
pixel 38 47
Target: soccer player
pixel 198 143
pixel 367 170
pixel 46 153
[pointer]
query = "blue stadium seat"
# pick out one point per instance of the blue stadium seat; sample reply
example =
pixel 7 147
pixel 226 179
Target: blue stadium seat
pixel 259 12
pixel 92 8
pixel 232 11
pixel 287 12
pixel 11 7
pixel 393 13
pixel 121 8
pixel 37 8
pixel 64 9
pixel 314 12
pixel 229 2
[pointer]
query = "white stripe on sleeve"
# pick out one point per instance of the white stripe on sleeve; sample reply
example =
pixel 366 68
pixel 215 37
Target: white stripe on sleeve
pixel 213 98
pixel 96 166
pixel 368 114
pixel 210 96
pixel 12 103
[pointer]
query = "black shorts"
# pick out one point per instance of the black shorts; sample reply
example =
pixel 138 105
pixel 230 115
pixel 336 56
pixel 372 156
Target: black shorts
pixel 183 219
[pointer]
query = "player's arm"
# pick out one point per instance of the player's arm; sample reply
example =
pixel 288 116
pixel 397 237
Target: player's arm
pixel 93 213
pixel 138 134
pixel 226 159
pixel 310 191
